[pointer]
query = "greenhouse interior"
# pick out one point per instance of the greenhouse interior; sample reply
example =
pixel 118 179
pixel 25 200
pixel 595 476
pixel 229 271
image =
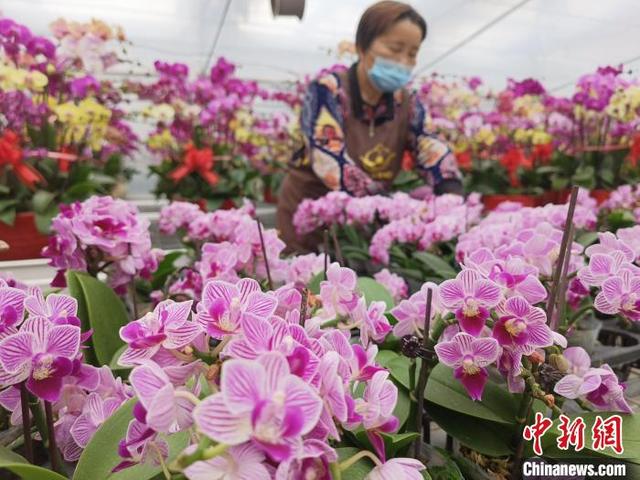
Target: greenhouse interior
pixel 319 239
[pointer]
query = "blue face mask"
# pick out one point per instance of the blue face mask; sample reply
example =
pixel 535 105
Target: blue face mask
pixel 389 76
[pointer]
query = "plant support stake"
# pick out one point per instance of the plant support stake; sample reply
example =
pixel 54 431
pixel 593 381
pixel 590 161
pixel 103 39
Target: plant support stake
pixel 336 246
pixel 564 246
pixel 303 306
pixel 26 423
pixel 424 372
pixel 326 252
pixel 264 254
pixel 564 281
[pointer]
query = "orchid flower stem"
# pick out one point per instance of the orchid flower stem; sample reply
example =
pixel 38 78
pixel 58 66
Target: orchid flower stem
pixel 330 323
pixel 577 317
pixel 163 465
pixel 336 473
pixel 526 403
pixel 326 252
pixel 183 461
pixel 187 396
pixel 53 448
pixel 26 423
pixel 214 451
pixel 349 462
pixel 134 300
pixel 584 405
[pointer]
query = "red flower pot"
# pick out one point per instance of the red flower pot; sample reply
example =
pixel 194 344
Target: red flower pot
pixel 491 202
pixel 228 204
pixel 269 197
pixel 24 239
pixel 600 195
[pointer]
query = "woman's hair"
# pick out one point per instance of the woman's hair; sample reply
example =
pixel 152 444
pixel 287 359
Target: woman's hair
pixel 381 16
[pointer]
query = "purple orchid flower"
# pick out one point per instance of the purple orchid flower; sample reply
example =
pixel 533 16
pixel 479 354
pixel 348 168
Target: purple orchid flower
pixel 141 445
pixel 372 322
pixel 42 355
pixel 168 326
pixel 620 295
pixel 332 392
pixel 517 277
pixel 603 266
pixel 598 385
pixel 218 261
pixel 471 297
pixel 405 468
pixel 224 304
pixel 166 410
pixel 410 313
pixel 57 309
pixel 522 326
pixel 311 461
pixel 95 412
pixel 11 310
pixel 609 243
pixel 242 462
pixel 469 356
pixel 338 291
pixel 260 401
pixel 375 410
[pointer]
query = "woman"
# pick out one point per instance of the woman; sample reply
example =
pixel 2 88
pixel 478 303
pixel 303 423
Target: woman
pixel 358 124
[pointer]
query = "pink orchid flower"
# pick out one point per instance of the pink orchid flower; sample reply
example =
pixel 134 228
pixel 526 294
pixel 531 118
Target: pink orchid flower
pixel 224 304
pixel 522 326
pixel 141 445
pixel 95 412
pixel 598 385
pixel 337 292
pixel 470 297
pixel 218 261
pixel 396 468
pixel 168 326
pixel 242 462
pixel 167 409
pixel 260 401
pixel 372 322
pixel 310 462
pixel 42 354
pixel 469 356
pixel 332 392
pixel 11 310
pixel 410 313
pixel 620 295
pixel 609 243
pixel 603 266
pixel 375 410
pixel 57 309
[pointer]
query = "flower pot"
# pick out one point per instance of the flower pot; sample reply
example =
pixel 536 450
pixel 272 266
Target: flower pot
pixel 269 196
pixel 24 239
pixel 547 197
pixel 491 202
pixel 586 334
pixel 600 195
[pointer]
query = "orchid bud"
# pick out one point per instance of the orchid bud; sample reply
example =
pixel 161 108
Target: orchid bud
pixel 559 362
pixel 537 357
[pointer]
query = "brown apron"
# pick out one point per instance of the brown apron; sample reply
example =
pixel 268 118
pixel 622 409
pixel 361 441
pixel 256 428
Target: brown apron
pixel 376 149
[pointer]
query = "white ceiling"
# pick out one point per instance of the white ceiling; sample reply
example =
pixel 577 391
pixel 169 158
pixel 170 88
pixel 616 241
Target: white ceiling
pixel 553 40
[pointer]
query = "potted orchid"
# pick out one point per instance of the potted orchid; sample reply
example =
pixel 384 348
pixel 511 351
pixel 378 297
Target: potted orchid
pixel 209 145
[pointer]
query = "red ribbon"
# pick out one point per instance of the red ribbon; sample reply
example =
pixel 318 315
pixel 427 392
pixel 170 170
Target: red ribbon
pixel 11 154
pixel 196 160
pixel 513 159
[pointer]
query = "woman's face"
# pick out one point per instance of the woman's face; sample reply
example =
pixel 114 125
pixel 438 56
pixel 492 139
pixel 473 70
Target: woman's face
pixel 400 43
